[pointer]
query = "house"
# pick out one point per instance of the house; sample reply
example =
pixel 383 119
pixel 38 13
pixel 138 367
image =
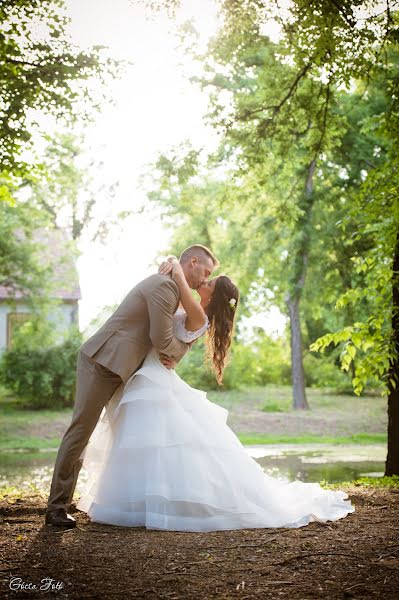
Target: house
pixel 14 307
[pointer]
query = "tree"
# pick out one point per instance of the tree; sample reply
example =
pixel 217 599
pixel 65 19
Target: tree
pixel 285 95
pixel 327 46
pixel 21 270
pixel 66 190
pixel 39 72
pixel 373 340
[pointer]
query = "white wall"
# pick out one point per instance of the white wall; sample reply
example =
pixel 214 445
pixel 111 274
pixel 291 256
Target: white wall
pixel 3 325
pixel 62 317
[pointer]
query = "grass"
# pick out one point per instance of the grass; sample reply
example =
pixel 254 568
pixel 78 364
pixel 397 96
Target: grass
pixel 26 428
pixel 368 482
pixel 250 439
pixel 275 407
pixel 278 398
pixel 13 493
pixel 29 443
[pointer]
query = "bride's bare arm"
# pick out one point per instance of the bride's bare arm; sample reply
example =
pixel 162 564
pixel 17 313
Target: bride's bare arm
pixel 195 313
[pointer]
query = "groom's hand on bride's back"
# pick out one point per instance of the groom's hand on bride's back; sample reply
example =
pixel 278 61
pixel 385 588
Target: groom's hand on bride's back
pixel 167 361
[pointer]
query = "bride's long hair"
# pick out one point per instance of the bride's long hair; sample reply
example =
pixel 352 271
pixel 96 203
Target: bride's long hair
pixel 221 312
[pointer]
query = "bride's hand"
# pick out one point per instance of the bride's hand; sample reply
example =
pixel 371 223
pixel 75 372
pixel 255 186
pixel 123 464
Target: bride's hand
pixel 166 266
pixel 177 270
pixel 167 361
pixel 171 265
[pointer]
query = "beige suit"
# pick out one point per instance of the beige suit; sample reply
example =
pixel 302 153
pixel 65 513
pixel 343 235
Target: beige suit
pixel 106 360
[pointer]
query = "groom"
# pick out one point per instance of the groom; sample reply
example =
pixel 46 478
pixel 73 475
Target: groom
pixel 106 360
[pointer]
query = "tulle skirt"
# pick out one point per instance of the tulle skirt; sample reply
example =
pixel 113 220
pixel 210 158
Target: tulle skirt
pixel 163 457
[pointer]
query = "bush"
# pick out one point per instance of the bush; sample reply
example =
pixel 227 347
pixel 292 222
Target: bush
pixel 195 371
pixel 256 364
pixel 42 377
pixel 324 373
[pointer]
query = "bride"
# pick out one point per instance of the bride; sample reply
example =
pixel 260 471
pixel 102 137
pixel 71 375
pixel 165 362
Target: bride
pixel 163 457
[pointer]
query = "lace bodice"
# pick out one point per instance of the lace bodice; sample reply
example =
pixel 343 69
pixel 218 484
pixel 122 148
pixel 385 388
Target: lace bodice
pixel 179 320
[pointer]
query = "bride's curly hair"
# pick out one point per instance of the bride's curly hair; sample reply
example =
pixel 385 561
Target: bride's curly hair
pixel 221 312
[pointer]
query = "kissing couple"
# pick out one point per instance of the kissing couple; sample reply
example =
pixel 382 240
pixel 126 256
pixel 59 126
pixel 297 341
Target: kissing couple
pixel 158 453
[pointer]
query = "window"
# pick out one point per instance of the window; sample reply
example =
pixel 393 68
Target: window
pixel 15 320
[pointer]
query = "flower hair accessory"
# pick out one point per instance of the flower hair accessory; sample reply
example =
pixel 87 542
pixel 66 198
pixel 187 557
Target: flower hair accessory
pixel 232 303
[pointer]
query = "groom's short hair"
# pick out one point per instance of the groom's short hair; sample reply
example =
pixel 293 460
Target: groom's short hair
pixel 198 250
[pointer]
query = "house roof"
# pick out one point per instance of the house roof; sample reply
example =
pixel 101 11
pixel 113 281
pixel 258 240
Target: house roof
pixel 57 251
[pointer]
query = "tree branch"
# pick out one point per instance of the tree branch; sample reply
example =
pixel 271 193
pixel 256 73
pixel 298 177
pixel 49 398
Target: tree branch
pixel 351 22
pixel 324 125
pixel 14 61
pixel 276 107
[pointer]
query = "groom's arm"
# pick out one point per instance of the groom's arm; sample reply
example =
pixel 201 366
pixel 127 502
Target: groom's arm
pixel 161 302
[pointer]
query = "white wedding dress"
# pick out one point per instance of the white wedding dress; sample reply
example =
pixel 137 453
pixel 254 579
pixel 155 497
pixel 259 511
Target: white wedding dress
pixel 163 457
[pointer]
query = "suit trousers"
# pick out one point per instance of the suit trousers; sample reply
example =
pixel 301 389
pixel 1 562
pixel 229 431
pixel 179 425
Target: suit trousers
pixel 95 386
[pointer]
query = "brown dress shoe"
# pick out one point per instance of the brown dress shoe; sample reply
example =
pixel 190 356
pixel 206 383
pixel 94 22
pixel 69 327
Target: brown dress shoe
pixel 60 518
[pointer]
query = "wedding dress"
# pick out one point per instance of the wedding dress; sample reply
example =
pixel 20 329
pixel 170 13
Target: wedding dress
pixel 163 457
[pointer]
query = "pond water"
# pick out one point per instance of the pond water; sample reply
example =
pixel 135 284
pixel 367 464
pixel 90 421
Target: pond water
pixel 315 462
pixel 310 462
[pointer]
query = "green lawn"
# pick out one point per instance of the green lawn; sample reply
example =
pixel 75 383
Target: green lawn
pixel 357 438
pixel 278 398
pixel 27 428
pixel 258 416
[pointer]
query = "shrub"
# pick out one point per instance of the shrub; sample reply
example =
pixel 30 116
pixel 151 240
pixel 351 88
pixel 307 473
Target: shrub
pixel 256 364
pixel 43 377
pixel 194 370
pixel 324 373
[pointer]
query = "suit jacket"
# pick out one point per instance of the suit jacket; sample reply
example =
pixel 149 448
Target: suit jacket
pixel 143 320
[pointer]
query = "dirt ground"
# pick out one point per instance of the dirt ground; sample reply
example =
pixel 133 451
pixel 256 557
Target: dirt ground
pixel 247 417
pixel 255 421
pixel 356 557
pixel 344 416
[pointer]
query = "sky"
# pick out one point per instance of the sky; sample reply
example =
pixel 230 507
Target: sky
pixel 154 108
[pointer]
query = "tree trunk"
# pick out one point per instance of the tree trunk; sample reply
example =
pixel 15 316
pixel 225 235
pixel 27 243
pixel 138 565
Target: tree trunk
pixel 299 257
pixel 298 375
pixel 392 462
